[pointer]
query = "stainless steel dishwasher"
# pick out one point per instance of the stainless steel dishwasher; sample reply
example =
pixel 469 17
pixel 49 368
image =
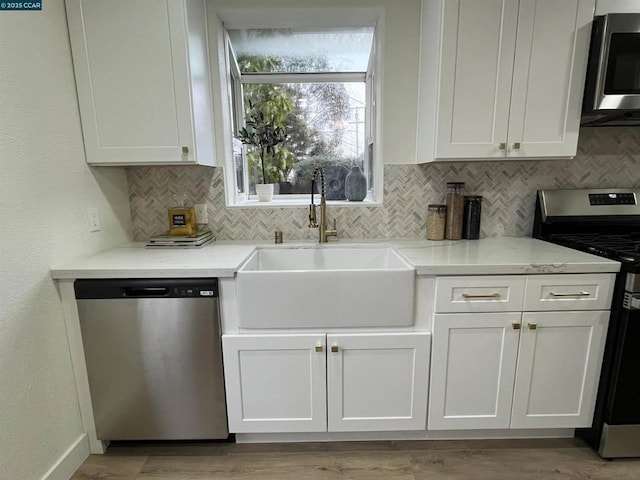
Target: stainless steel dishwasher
pixel 154 358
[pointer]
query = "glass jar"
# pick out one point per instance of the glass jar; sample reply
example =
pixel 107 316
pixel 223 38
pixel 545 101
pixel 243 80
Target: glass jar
pixel 455 210
pixel 471 217
pixel 436 220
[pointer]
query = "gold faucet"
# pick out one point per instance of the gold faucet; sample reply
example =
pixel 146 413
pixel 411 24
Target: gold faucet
pixel 313 223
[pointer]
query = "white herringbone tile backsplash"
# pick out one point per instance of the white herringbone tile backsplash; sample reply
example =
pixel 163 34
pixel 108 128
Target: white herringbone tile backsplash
pixel 607 157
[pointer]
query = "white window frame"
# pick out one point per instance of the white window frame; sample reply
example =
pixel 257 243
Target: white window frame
pixel 321 18
pixel 236 88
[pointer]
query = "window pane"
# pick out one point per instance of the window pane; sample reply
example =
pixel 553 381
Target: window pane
pixel 288 50
pixel 324 125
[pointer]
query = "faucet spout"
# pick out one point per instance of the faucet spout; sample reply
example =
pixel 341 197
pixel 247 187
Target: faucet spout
pixel 324 232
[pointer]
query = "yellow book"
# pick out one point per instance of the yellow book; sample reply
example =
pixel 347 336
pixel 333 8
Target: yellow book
pixel 182 221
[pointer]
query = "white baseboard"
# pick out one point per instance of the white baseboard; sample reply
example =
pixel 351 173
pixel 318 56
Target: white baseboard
pixel 409 435
pixel 70 460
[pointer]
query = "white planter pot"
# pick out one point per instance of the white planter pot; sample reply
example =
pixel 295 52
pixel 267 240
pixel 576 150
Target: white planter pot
pixel 264 191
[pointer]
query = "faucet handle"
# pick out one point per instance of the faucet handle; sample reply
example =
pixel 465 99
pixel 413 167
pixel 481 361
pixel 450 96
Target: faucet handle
pixel 334 232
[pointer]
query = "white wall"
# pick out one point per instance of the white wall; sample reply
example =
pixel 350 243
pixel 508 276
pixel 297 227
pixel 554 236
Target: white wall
pixel 45 189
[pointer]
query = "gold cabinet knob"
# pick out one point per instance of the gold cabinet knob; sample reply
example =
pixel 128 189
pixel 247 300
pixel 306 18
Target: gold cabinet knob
pixel 334 348
pixel 515 325
pixel 502 146
pixel 516 146
pixel 185 150
pixel 532 325
pixel 319 347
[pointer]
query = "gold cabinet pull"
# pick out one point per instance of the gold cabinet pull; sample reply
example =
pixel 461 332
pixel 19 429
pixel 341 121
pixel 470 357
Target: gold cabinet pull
pixel 516 145
pixel 185 150
pixel 502 146
pixel 319 347
pixel 532 325
pixel 515 325
pixel 576 294
pixel 488 295
pixel 334 348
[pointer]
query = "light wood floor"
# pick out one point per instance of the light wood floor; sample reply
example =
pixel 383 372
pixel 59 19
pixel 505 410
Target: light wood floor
pixel 406 460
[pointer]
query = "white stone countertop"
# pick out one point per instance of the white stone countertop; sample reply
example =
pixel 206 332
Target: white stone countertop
pixel 500 256
pixel 215 259
pixel 496 255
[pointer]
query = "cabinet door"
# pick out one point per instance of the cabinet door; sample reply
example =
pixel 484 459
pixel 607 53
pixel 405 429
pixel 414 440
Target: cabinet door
pixel 377 381
pixel 275 383
pixel 133 80
pixel 472 370
pixel 558 369
pixel 548 77
pixel 478 42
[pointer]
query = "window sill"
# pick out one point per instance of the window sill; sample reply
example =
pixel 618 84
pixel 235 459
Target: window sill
pixel 300 202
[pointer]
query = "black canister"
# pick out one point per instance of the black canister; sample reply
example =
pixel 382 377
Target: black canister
pixel 471 218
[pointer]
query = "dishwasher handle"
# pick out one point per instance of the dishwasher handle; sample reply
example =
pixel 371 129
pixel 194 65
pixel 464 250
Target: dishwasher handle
pixel 145 291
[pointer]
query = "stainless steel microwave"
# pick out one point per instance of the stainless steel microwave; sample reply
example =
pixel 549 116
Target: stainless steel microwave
pixel 612 87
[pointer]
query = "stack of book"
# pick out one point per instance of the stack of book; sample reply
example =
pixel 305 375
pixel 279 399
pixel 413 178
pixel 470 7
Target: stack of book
pixel 181 241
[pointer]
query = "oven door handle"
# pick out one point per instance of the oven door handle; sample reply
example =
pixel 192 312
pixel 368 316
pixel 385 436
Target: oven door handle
pixel 576 294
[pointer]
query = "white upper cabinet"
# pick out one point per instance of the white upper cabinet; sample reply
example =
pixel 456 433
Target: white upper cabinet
pixel 143 81
pixel 501 78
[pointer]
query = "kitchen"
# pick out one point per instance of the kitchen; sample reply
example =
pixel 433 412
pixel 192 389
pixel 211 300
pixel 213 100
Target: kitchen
pixel 47 185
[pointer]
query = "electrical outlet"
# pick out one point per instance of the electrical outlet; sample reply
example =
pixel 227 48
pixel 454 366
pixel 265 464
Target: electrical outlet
pixel 94 219
pixel 201 213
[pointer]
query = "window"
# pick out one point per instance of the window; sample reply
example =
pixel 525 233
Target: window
pixel 301 98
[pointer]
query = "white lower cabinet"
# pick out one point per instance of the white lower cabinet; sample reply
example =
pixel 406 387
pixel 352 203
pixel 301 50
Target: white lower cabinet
pixel 319 383
pixel 473 368
pixel 558 369
pixel 275 383
pixel 377 382
pixel 499 370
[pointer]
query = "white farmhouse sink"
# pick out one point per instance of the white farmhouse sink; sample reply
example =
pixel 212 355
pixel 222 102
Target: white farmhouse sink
pixel 325 286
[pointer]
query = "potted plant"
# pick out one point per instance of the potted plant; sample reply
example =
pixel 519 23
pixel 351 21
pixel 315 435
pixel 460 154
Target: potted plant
pixel 266 135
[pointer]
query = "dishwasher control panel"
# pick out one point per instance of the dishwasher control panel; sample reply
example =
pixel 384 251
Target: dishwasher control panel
pixel 193 292
pixel 146 288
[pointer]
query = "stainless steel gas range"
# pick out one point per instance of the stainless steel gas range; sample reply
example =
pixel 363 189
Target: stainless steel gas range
pixel 606 222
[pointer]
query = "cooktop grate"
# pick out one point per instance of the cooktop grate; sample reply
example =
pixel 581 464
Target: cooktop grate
pixel 624 248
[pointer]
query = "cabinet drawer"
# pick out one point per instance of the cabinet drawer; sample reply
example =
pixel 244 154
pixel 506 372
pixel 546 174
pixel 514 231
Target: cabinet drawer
pixel 569 292
pixel 480 294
